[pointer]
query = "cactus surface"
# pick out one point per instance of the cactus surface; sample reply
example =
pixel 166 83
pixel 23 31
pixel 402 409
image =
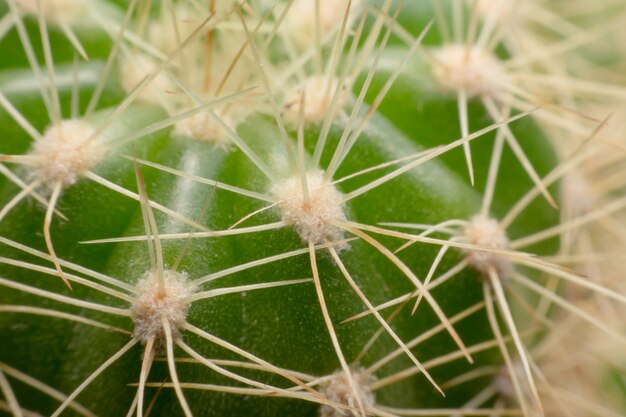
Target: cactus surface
pixel 312 208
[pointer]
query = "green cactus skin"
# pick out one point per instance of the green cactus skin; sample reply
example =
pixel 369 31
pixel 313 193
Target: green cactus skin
pixel 283 325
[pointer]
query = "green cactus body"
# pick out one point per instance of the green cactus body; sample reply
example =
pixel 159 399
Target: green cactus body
pixel 281 325
pixel 213 278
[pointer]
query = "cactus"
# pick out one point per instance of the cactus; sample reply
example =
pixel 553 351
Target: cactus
pixel 311 208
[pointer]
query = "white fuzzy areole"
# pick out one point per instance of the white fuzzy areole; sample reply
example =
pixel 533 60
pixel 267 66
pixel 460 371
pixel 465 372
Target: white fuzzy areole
pixel 338 390
pixel 486 232
pixel 203 128
pixel 151 305
pixel 66 152
pixel 134 70
pixel 313 217
pixel 316 94
pixel 55 11
pixel 505 388
pixel 300 21
pixel 473 70
pixel 504 385
pixel 578 194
